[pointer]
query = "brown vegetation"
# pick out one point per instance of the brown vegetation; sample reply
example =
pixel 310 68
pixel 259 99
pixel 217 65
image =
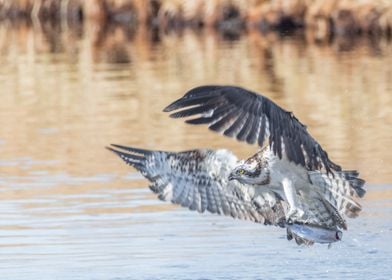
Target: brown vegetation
pixel 324 17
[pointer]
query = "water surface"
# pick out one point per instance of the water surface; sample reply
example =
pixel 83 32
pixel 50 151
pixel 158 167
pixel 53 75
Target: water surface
pixel 71 210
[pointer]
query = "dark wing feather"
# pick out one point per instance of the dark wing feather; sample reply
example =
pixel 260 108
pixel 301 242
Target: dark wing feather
pixel 198 180
pixel 247 116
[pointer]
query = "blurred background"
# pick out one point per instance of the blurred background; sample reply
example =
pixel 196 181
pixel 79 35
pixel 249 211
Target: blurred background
pixel 77 75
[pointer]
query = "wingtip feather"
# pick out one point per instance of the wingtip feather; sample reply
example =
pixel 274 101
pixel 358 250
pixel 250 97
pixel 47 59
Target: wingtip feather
pixel 131 156
pixel 170 107
pixel 131 149
pixel 110 149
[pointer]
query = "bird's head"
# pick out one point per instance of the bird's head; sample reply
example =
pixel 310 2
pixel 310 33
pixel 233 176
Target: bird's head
pixel 253 171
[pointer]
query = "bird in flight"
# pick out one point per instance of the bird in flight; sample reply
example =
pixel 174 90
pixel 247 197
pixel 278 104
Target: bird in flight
pixel 289 182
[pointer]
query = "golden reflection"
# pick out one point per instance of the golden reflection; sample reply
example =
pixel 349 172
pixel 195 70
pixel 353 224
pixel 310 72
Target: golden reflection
pixel 66 94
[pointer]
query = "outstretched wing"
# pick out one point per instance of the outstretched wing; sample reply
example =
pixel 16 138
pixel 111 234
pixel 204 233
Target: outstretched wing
pixel 198 180
pixel 250 117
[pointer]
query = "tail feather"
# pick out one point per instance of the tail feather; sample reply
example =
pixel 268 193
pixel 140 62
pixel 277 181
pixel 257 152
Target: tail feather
pixel 355 182
pixel 340 190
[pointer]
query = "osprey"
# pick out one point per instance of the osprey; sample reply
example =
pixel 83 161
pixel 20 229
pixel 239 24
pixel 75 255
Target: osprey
pixel 290 182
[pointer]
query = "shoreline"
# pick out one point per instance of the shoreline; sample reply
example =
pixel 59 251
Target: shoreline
pixel 324 18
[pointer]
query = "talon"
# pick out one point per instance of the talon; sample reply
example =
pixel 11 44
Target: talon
pixel 294 214
pixel 291 213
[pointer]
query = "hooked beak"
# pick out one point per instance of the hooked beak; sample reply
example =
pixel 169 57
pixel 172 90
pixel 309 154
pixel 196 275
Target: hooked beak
pixel 231 177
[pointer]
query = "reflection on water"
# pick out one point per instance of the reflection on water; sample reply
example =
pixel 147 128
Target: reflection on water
pixel 70 206
pixel 110 84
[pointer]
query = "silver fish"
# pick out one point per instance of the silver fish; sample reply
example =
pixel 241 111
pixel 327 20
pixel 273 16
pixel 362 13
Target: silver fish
pixel 310 234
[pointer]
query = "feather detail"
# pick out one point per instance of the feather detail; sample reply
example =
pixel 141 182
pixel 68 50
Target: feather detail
pixel 197 180
pixel 247 116
pixel 340 190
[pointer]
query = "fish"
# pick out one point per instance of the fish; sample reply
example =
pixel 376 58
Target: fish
pixel 309 234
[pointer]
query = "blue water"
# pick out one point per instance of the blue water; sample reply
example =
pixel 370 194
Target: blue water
pixel 126 233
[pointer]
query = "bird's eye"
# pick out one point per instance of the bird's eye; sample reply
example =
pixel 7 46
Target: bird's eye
pixel 241 171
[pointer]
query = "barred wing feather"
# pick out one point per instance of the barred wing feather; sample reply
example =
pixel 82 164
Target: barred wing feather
pixel 198 180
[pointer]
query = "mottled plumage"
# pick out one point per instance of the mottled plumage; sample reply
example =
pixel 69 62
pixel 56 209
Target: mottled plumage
pixel 290 182
pixel 198 180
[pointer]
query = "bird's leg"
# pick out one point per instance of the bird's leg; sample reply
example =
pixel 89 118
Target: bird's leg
pixel 291 196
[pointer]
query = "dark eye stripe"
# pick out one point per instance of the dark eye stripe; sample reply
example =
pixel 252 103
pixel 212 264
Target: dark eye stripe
pixel 255 173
